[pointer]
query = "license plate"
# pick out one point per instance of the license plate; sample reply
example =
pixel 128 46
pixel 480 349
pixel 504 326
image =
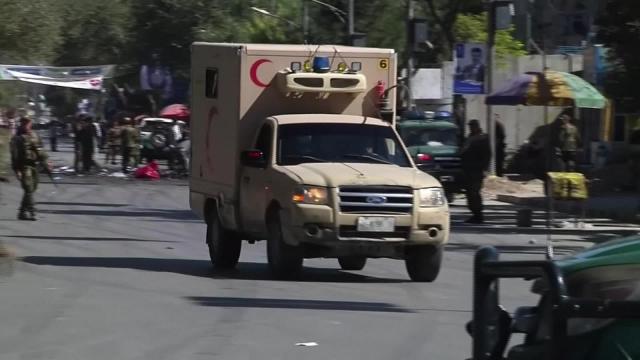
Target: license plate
pixel 376 224
pixel 447 178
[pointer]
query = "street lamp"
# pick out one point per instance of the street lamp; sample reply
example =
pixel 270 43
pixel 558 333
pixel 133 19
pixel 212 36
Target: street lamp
pixel 267 13
pixel 339 13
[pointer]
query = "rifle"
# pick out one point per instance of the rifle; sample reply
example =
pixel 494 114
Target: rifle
pixel 47 171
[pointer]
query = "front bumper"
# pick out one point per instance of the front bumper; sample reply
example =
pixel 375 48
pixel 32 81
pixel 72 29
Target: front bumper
pixel 325 226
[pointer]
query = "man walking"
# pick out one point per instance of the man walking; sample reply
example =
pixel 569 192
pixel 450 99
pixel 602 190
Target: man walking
pixel 53 135
pixel 26 155
pixel 475 156
pixel 87 143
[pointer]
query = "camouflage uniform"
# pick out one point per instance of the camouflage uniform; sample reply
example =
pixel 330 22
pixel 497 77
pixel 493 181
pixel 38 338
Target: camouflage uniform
pixel 114 142
pixel 26 154
pixel 130 147
pixel 568 141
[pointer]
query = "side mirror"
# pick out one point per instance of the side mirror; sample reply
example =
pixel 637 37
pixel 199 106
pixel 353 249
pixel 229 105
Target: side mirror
pixel 253 158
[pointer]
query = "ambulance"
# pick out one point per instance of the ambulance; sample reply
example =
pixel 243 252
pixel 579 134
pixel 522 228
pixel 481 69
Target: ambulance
pixel 296 145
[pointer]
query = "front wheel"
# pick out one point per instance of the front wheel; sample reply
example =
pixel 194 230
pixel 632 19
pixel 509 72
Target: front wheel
pixel 285 261
pixel 352 262
pixel 423 262
pixel 224 246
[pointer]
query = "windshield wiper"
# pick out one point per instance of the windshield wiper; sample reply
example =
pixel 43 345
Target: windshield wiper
pixel 305 157
pixel 368 157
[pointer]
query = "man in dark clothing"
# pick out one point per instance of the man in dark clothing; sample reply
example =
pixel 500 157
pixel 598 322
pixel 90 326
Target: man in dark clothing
pixel 86 139
pixel 475 156
pixel 500 146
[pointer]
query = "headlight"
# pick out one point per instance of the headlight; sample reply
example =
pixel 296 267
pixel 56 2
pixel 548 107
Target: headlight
pixel 311 195
pixel 431 197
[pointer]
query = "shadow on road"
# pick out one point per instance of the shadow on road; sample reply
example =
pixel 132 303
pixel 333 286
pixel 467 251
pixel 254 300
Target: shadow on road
pixel 297 304
pixel 516 249
pixel 178 266
pixel 202 268
pixel 84 238
pixel 63 203
pixel 158 213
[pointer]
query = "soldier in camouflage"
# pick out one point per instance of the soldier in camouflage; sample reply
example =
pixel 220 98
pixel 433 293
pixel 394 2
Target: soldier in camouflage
pixel 26 155
pixel 130 142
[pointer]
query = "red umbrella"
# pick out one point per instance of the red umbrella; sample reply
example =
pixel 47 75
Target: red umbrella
pixel 176 111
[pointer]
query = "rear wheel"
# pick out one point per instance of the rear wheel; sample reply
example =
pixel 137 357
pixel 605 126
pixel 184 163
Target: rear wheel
pixel 285 261
pixel 352 262
pixel 423 262
pixel 224 246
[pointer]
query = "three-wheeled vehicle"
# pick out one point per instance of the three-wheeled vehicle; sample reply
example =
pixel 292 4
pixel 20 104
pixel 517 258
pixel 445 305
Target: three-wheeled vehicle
pixel 589 306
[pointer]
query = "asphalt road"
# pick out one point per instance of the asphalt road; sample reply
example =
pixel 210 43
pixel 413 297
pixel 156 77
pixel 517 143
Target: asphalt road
pixel 118 269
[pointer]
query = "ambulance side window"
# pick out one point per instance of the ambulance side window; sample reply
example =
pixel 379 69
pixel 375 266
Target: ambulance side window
pixel 264 141
pixel 211 83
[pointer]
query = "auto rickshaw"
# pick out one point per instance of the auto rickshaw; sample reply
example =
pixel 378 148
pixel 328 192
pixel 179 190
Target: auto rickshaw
pixel 589 306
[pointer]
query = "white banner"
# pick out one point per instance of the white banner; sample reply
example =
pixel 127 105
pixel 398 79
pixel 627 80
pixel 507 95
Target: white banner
pixel 92 83
pixel 54 72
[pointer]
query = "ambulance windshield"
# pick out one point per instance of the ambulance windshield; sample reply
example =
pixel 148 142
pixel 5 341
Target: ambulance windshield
pixel 344 143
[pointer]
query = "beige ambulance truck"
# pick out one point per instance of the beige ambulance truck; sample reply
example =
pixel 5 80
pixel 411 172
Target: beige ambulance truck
pixel 288 146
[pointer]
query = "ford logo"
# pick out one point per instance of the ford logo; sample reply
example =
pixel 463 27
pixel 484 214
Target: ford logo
pixel 376 199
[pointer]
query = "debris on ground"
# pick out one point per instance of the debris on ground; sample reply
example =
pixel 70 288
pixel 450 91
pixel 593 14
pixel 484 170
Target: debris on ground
pixel 494 185
pixel 307 344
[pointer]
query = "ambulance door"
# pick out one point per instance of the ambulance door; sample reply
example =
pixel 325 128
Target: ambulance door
pixel 255 184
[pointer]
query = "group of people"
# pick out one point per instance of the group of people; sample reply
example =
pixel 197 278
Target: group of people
pixel 123 138
pixel 476 154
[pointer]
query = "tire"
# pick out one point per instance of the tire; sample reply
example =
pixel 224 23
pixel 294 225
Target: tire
pixel 224 247
pixel 423 262
pixel 285 261
pixel 352 262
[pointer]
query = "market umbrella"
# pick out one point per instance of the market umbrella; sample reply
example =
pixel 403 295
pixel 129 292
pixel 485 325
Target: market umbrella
pixel 548 88
pixel 176 111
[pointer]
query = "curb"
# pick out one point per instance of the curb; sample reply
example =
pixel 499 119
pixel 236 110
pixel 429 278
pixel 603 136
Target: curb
pixel 501 229
pixel 626 216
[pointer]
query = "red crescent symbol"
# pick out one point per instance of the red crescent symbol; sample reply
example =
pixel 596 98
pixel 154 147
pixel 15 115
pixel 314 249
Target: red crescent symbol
pixel 254 72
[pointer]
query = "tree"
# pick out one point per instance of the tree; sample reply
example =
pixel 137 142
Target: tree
pixel 97 32
pixel 30 31
pixel 473 28
pixel 444 14
pixel 619 30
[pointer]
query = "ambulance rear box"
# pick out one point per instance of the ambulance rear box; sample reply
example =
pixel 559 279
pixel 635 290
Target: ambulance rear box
pixel 295 145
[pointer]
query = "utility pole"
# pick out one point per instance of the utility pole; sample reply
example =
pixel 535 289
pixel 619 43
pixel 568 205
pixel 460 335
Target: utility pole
pixel 351 26
pixel 488 83
pixel 305 20
pixel 409 52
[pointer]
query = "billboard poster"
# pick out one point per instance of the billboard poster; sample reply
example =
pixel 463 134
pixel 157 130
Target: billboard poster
pixel 470 68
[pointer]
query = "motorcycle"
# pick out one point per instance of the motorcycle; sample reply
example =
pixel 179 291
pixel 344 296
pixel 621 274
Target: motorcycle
pixel 588 309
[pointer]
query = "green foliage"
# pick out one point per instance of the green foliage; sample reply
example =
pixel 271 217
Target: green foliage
pixel 95 32
pixel 619 30
pixel 30 31
pixel 473 28
pixel 127 32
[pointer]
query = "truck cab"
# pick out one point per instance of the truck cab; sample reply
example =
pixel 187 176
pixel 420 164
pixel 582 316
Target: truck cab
pixel 434 141
pixel 299 159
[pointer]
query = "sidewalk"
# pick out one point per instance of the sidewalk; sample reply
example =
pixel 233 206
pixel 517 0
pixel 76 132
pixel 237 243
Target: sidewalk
pixel 622 207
